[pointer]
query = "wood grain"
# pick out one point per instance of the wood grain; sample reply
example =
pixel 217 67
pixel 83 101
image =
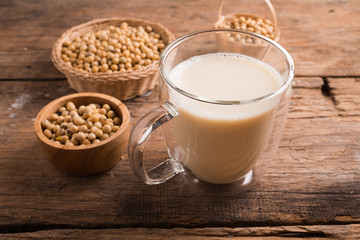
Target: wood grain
pixel 282 232
pixel 314 178
pixel 322 36
pixel 344 93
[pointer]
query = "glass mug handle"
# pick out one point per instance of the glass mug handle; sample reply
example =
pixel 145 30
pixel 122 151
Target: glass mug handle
pixel 138 139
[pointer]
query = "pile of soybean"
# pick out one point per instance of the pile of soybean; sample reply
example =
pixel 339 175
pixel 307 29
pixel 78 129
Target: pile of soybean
pixel 252 24
pixel 84 125
pixel 115 49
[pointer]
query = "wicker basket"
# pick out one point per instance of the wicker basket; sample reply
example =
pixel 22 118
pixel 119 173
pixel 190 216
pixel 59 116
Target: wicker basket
pixel 122 85
pixel 246 45
pixel 224 19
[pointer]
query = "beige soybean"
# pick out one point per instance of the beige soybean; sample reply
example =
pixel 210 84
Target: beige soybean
pixel 107 129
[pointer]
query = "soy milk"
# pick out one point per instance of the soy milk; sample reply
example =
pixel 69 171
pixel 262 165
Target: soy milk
pixel 221 143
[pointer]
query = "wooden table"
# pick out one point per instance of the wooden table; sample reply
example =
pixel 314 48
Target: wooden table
pixel 311 189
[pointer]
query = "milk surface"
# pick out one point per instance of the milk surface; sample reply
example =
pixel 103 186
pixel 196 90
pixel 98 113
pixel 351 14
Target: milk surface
pixel 221 143
pixel 225 76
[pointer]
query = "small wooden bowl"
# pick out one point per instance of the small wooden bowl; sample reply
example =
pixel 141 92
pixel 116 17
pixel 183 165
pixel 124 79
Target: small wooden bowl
pixel 87 159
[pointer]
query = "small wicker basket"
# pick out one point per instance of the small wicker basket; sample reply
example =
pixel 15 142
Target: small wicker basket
pixel 265 5
pixel 240 43
pixel 122 85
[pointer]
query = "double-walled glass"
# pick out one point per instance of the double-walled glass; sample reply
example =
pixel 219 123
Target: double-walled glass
pixel 212 150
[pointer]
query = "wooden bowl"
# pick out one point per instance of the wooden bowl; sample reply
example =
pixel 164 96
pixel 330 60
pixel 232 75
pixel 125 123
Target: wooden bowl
pixel 122 85
pixel 86 159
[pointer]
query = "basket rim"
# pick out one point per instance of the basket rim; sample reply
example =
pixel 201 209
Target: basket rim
pixel 99 23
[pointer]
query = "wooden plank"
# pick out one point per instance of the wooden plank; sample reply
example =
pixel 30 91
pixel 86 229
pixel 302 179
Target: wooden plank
pixel 284 232
pixel 322 36
pixel 313 179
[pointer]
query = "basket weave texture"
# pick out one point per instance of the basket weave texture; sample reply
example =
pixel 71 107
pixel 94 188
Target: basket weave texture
pixel 122 85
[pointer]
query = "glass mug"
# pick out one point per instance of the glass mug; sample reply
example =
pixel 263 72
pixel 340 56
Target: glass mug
pixel 212 140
